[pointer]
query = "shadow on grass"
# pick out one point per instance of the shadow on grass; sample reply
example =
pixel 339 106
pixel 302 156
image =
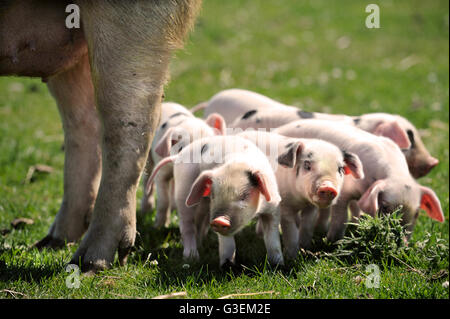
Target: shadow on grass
pixel 12 273
pixel 165 246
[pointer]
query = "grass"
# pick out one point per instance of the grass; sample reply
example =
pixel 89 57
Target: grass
pixel 317 55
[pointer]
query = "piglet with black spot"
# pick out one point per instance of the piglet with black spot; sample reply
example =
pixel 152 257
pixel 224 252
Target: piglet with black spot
pixel 310 175
pixel 224 182
pixel 178 128
pixel 246 109
pixel 387 183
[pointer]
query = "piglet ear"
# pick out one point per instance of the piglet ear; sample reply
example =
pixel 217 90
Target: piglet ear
pixel 169 139
pixel 291 155
pixel 369 200
pixel 353 165
pixel 431 204
pixel 200 188
pixel 216 121
pixel 395 132
pixel 268 189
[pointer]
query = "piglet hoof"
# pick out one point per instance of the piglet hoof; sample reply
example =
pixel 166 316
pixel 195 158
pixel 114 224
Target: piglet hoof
pixel 191 256
pixel 230 266
pixel 320 231
pixel 276 261
pixel 49 242
pixel 291 254
pixel 161 223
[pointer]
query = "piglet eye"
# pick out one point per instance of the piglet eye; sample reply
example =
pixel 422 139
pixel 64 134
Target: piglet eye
pixel 307 165
pixel 341 170
pixel 244 196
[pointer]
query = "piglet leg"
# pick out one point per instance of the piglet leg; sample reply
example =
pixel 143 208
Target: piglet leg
pixel 307 219
pixel 188 230
pixel 290 232
pixel 227 249
pixel 269 224
pixel 163 189
pixel 148 200
pixel 321 225
pixel 339 219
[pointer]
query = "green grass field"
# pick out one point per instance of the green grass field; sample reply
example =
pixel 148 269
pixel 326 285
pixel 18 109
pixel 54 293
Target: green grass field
pixel 317 55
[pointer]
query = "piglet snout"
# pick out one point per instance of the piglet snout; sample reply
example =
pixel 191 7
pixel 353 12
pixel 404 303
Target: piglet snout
pixel 221 224
pixel 432 162
pixel 326 192
pixel 426 167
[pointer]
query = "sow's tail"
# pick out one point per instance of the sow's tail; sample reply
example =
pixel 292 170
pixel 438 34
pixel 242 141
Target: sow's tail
pixel 162 163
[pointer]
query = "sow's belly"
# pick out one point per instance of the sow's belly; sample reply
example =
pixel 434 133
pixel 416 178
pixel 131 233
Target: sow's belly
pixel 34 40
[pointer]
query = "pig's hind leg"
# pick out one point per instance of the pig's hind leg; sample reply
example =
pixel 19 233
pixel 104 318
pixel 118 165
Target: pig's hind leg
pixel 74 94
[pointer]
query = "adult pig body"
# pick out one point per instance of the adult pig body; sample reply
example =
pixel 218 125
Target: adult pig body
pixel 109 115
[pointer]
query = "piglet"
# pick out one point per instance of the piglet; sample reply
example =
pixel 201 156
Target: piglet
pixel 310 174
pixel 234 103
pixel 172 135
pixel 404 134
pixel 228 181
pixel 246 109
pixel 168 110
pixel 387 183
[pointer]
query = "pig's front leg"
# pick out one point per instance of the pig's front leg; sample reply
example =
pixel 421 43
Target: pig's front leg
pixel 227 249
pixel 321 225
pixel 188 231
pixel 202 220
pixel 269 223
pixel 308 217
pixel 355 210
pixel 290 231
pixel 129 49
pixel 339 219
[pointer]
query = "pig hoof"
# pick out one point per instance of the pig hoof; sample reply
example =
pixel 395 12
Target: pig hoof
pixel 97 252
pixel 50 242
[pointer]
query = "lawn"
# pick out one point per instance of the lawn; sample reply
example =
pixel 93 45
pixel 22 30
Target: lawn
pixel 317 55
